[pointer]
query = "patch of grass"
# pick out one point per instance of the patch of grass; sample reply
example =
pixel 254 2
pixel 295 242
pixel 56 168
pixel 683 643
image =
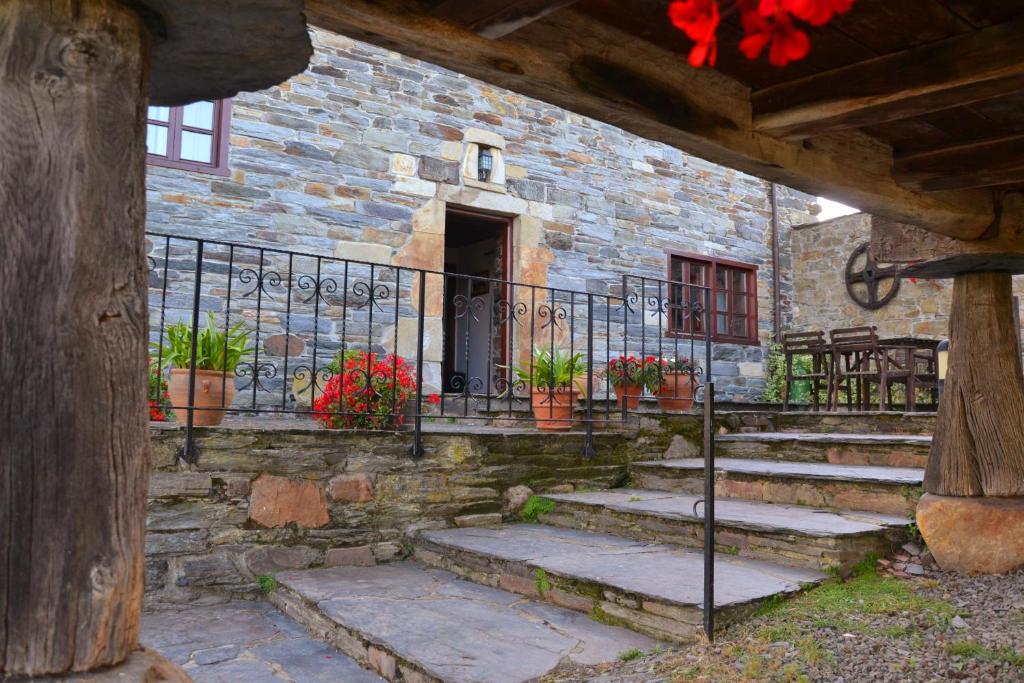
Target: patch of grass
pixel 975 650
pixel 914 534
pixel 535 507
pixel 729 550
pixel 630 655
pixel 543 583
pixel 602 617
pixel 267 583
pixel 635 499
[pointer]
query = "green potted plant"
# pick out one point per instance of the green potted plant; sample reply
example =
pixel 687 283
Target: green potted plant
pixel 676 383
pixel 552 374
pixel 629 375
pixel 218 353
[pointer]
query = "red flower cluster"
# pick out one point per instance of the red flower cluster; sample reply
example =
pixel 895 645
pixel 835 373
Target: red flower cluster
pixel 765 22
pixel 633 370
pixel 159 398
pixel 369 392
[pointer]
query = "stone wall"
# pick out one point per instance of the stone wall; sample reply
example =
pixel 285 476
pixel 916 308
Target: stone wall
pixel 358 157
pixel 263 500
pixel 821 301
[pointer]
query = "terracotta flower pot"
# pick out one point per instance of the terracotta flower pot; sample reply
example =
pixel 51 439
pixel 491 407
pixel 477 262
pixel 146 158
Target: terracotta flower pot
pixel 630 392
pixel 214 391
pixel 553 409
pixel 676 394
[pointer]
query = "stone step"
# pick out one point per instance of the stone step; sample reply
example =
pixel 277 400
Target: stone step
pixel 651 588
pixel 888 490
pixel 414 624
pixel 841 422
pixel 788 534
pixel 883 450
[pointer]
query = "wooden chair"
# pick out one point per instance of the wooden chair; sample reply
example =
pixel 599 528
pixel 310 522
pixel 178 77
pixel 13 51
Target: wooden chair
pixel 811 344
pixel 858 361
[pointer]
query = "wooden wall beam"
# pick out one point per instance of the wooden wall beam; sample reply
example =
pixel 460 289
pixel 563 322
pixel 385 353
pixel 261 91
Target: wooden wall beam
pixel 496 18
pixel 974 66
pixel 610 76
pixel 991 162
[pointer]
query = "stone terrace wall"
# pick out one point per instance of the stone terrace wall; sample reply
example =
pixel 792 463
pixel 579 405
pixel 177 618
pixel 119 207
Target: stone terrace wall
pixel 358 157
pixel 821 302
pixel 265 500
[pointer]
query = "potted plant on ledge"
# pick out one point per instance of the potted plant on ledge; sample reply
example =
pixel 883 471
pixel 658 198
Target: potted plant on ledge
pixel 629 375
pixel 367 391
pixel 218 353
pixel 676 383
pixel 553 374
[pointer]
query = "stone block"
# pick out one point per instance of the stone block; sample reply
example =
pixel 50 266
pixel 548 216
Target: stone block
pixel 276 501
pixel 487 519
pixel 284 345
pixel 403 164
pixel 363 251
pixel 206 570
pixel 179 485
pixel 382 663
pixel 515 499
pixel 271 559
pixel 351 488
pixel 439 170
pixel 350 557
pixel 238 487
pixel 973 535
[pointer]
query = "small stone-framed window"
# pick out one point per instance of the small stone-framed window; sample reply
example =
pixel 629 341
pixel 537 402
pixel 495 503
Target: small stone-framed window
pixel 193 137
pixel 733 289
pixel 483 163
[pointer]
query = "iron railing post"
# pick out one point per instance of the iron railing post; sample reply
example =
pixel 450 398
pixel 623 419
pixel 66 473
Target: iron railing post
pixel 188 453
pixel 417 439
pixel 588 447
pixel 625 344
pixel 709 510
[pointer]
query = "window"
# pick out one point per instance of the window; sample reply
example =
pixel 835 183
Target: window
pixel 733 288
pixel 193 137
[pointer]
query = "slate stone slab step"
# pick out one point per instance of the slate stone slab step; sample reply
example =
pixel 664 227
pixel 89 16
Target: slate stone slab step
pixel 246 641
pixel 887 490
pixel 655 589
pixel 415 624
pixel 789 534
pixel 888 450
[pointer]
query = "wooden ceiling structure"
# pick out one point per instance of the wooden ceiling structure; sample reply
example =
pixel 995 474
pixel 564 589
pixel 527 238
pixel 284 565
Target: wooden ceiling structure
pixel 908 109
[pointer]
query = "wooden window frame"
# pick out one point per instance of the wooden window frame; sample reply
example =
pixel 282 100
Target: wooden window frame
pixel 712 264
pixel 221 138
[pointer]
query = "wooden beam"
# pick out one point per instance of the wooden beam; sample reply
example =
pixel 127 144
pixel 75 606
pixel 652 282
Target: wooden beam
pixel 496 18
pixel 73 319
pixel 611 76
pixel 967 68
pixel 991 162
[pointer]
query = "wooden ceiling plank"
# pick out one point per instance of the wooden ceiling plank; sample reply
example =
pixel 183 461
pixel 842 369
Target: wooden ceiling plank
pixel 495 19
pixel 605 74
pixel 993 162
pixel 975 66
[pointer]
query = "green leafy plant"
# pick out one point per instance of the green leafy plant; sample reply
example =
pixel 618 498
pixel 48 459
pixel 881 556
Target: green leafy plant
pixel 645 372
pixel 216 349
pixel 543 583
pixel 551 368
pixel 535 507
pixel 267 583
pixel 775 382
pixel 630 655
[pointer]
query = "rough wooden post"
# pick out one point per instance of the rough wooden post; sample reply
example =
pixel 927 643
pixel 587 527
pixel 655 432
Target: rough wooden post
pixel 73 452
pixel 978 447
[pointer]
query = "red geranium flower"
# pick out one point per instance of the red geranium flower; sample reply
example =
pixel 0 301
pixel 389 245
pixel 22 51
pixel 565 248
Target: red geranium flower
pixel 788 43
pixel 698 19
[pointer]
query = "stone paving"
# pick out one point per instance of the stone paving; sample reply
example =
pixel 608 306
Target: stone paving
pixel 859 473
pixel 250 642
pixel 449 629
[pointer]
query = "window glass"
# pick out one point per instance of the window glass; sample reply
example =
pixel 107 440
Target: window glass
pixel 198 115
pixel 739 281
pixel 733 306
pixel 196 146
pixel 159 114
pixel 156 140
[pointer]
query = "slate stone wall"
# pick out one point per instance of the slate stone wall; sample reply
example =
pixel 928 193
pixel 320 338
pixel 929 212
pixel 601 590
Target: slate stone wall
pixel 821 302
pixel 358 157
pixel 265 500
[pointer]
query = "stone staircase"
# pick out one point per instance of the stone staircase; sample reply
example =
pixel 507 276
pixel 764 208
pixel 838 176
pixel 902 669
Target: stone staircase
pixel 603 572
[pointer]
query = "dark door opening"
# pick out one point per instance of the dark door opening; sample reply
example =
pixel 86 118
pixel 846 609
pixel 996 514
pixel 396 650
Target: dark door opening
pixel 477 252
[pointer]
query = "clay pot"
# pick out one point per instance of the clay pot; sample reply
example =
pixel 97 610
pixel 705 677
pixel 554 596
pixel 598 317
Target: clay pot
pixel 676 394
pixel 553 409
pixel 630 392
pixel 214 390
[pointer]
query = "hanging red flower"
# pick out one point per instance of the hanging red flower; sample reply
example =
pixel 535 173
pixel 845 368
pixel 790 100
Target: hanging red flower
pixel 765 22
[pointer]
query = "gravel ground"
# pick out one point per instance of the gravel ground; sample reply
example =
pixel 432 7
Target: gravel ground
pixel 941 627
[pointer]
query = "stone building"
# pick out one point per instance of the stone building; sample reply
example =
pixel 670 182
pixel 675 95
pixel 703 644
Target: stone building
pixel 374 157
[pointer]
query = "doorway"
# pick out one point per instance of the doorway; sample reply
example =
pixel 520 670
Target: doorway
pixel 477 252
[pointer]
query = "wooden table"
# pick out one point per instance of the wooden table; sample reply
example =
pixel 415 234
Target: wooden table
pixel 907 347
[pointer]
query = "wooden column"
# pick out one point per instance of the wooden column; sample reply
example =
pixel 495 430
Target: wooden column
pixel 978 447
pixel 73 321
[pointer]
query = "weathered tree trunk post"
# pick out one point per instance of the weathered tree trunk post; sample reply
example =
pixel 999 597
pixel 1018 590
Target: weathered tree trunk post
pixel 73 455
pixel 972 515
